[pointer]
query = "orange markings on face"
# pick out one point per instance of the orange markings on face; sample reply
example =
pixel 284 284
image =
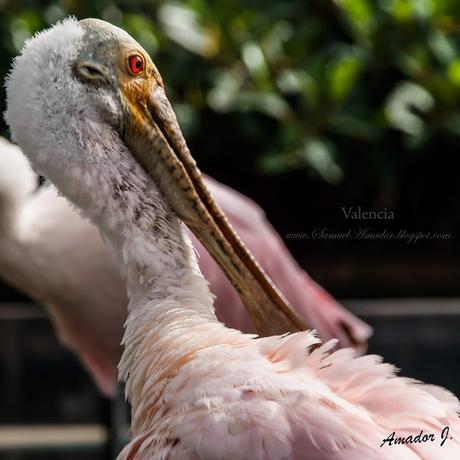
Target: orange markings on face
pixel 136 91
pixel 136 64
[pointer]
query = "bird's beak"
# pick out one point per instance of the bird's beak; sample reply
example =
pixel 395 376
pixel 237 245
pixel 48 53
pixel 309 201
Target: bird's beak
pixel 154 137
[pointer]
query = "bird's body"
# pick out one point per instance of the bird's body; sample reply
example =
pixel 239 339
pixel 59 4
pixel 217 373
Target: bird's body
pixel 198 389
pixel 57 257
pixel 275 399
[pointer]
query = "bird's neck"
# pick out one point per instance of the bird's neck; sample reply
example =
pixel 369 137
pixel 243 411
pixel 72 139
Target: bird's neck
pixel 134 218
pixel 152 247
pixel 171 318
pixel 171 315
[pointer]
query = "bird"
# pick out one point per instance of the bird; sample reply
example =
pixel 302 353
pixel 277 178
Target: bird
pixel 54 255
pixel 88 107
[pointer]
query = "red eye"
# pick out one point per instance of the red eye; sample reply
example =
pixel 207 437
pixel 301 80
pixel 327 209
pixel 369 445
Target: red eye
pixel 136 64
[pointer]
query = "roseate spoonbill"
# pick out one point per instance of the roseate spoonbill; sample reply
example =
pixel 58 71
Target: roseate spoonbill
pixel 50 252
pixel 87 106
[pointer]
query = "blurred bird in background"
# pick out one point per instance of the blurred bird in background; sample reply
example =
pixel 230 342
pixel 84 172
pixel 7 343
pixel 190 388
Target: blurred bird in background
pixel 51 253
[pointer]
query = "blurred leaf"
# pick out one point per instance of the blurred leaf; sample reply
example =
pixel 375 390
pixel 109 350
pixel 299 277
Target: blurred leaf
pixel 273 163
pixel 182 25
pixel 223 96
pixel 357 10
pixel 270 104
pixel 275 39
pixel 402 10
pixel 33 20
pixel 442 48
pixel 291 81
pixel 359 13
pixel 423 8
pixel 320 155
pixel 402 104
pixel 186 116
pixel 142 30
pixel 24 26
pixel 454 72
pixel 254 59
pixel 415 60
pixel 54 13
pixel 20 32
pixel 113 14
pixel 342 74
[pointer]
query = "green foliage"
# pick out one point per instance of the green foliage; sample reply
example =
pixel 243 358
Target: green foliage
pixel 313 85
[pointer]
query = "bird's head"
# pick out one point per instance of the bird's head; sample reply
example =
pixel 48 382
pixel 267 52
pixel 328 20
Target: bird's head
pixel 83 91
pixel 75 79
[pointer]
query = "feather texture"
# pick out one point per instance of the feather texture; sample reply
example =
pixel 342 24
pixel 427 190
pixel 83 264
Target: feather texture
pixel 214 393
